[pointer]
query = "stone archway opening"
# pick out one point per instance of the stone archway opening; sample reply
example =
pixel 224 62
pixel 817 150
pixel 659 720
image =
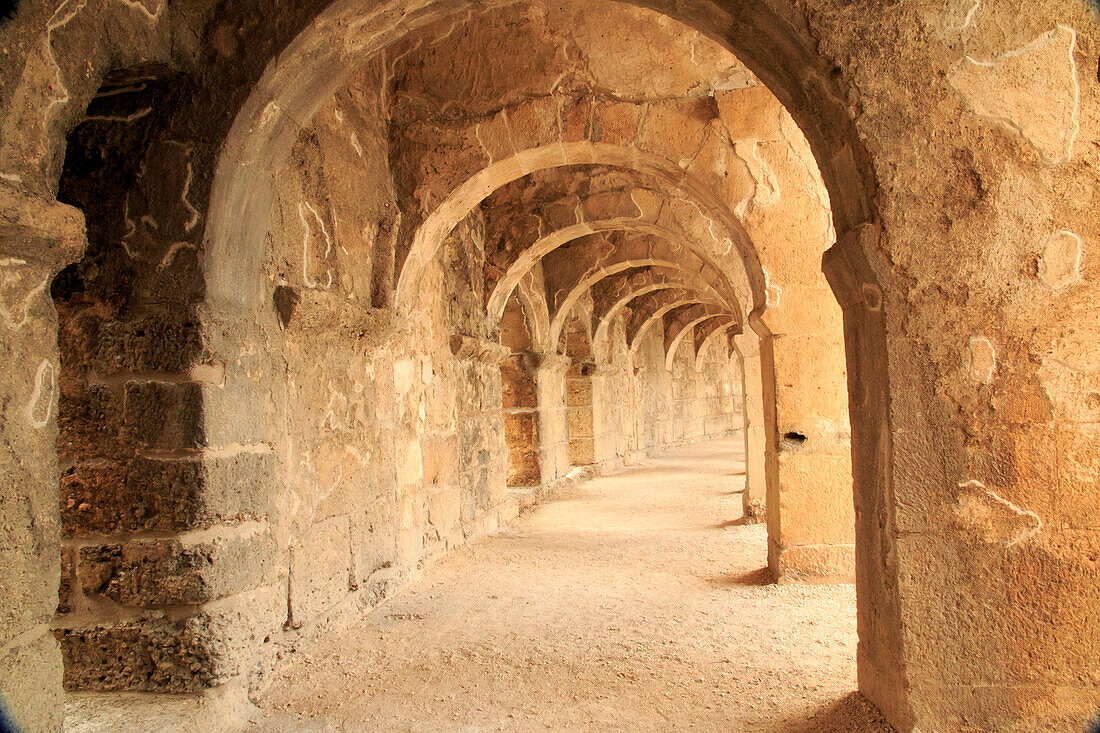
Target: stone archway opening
pixel 416 408
pixel 417 404
pixel 519 400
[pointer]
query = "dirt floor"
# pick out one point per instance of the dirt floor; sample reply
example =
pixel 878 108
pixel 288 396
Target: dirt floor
pixel 632 602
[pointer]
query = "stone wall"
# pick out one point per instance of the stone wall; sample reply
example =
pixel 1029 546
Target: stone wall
pixel 369 443
pixel 956 142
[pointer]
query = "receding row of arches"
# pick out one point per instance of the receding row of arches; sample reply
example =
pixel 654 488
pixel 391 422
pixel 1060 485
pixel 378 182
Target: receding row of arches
pixel 340 283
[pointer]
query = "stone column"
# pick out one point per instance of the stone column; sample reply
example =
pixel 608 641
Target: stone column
pixel 811 515
pixel 579 398
pixel 553 417
pixel 520 408
pixel 756 486
pixel 38 237
pixel 881 655
pixel 608 384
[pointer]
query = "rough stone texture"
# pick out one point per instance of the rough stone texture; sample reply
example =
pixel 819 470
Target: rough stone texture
pixel 290 213
pixel 37 238
pixel 1008 90
pixel 1060 263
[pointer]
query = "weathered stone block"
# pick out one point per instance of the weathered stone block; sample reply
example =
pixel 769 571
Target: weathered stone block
pixel 440 457
pixel 614 123
pixel 320 570
pixel 164 343
pixel 817 564
pixel 815 500
pixel 518 389
pixel 32 696
pixel 90 424
pixel 753 112
pixel 578 391
pixel 582 451
pixel 165 653
pixel 373 540
pixel 187 570
pixel 1078 469
pixel 164 416
pixel 580 422
pixel 521 428
pixel 443 507
pixel 410 464
pixel 472 441
pixel 170 494
pixel 523 467
pixel 153 654
pixel 534 124
pixel 1039 634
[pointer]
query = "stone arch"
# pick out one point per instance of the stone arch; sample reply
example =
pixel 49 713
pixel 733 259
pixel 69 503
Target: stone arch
pixel 430 235
pixel 655 307
pixel 802 81
pixel 533 300
pixel 310 69
pixel 650 307
pixel 519 395
pixel 712 334
pixel 684 325
pixel 561 237
pixel 605 311
pixel 591 280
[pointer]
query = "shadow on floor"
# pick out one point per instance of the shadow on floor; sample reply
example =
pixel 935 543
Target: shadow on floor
pixel 760 576
pixel 739 522
pixel 850 714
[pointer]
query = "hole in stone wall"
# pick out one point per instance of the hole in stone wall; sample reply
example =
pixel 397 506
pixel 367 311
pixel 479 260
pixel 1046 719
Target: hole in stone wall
pixel 286 302
pixel 7 9
pixel 794 439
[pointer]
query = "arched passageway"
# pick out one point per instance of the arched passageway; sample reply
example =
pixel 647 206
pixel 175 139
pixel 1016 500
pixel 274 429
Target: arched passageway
pixel 281 388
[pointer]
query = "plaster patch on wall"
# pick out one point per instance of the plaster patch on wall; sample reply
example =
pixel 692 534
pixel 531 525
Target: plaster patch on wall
pixel 189 174
pixel 765 183
pixel 410 469
pixel 126 119
pixel 170 255
pixel 311 246
pixel 40 407
pixel 996 520
pixel 151 15
pixel 15 296
pixel 404 373
pixel 772 291
pixel 1071 385
pixel 1032 90
pixel 131 225
pixel 1060 262
pixel 64 15
pixel 981 361
pixel 959 14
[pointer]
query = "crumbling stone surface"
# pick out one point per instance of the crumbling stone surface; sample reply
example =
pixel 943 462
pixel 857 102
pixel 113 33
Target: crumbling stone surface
pixel 293 215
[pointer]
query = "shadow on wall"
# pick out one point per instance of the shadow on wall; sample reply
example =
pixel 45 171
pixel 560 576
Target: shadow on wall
pixel 851 714
pixel 7 723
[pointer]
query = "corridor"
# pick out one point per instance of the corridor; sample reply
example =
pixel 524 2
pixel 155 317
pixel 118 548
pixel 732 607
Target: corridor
pixel 632 602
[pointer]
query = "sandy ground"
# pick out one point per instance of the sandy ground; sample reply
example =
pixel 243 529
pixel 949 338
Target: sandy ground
pixel 633 602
